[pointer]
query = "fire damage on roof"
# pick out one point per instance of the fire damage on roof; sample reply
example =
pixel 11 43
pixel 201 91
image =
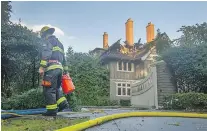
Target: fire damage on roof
pixel 128 51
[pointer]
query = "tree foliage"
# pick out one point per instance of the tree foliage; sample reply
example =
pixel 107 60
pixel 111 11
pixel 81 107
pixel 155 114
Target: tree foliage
pixel 19 56
pixel 5 11
pixel 90 78
pixel 188 60
pixel 163 42
pixel 20 63
pixel 193 35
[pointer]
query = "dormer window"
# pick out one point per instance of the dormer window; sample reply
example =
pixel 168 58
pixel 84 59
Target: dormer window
pixel 125 66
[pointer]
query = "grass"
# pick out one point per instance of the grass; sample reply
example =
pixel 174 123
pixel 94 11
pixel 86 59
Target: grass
pixel 38 124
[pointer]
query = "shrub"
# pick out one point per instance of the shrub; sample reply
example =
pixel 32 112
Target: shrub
pixel 98 101
pixel 125 102
pixel 188 66
pixel 90 78
pixel 31 99
pixel 34 99
pixel 73 101
pixel 105 101
pixel 186 101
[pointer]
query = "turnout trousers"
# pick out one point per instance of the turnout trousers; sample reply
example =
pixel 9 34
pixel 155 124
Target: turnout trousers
pixel 55 101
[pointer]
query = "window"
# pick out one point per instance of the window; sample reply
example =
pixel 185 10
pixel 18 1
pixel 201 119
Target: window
pixel 119 91
pixel 120 65
pixel 125 66
pixel 129 67
pixel 123 89
pixel 128 91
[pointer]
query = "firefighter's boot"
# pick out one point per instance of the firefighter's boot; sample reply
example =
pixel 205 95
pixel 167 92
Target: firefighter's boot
pixel 63 105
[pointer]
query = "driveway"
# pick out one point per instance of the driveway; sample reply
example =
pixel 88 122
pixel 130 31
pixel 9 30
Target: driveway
pixel 143 123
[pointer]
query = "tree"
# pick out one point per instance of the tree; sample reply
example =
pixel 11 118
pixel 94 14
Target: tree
pixel 162 42
pixel 5 11
pixel 188 60
pixel 20 50
pixel 89 77
pixel 193 35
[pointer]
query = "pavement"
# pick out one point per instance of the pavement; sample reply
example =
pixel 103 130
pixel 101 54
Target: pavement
pixel 142 123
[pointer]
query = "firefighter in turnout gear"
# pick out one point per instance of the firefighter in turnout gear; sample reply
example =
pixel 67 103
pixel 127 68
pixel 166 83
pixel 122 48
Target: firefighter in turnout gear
pixel 52 66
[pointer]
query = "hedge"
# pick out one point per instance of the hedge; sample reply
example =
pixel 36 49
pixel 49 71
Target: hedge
pixel 186 101
pixel 34 99
pixel 125 102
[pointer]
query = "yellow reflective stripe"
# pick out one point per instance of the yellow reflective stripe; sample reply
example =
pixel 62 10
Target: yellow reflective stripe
pixel 61 100
pixel 43 62
pixel 54 106
pixel 56 48
pixel 65 68
pixel 52 67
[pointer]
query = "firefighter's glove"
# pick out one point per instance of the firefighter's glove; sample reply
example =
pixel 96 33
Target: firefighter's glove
pixel 41 71
pixel 65 68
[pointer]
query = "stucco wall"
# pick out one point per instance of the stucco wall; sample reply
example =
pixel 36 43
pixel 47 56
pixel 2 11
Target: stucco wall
pixel 146 99
pixel 162 85
pixel 147 96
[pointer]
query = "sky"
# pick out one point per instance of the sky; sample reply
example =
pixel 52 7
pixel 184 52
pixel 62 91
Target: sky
pixel 82 24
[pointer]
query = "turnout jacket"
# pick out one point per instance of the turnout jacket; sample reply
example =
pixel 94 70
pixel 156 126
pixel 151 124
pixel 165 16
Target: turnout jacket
pixel 53 56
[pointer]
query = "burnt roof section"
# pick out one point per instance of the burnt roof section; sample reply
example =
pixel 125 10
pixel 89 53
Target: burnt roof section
pixel 113 52
pixel 120 56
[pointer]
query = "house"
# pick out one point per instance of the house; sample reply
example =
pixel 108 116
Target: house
pixel 127 62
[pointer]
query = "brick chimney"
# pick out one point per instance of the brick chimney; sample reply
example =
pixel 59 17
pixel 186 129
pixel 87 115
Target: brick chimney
pixel 150 32
pixel 129 32
pixel 105 41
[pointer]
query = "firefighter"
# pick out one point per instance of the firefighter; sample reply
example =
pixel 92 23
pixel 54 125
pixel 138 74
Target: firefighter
pixel 52 66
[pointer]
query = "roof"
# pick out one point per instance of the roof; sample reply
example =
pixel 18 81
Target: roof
pixel 119 56
pixel 113 52
pixel 97 49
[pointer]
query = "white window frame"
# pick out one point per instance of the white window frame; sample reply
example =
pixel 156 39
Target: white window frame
pixel 127 63
pixel 126 88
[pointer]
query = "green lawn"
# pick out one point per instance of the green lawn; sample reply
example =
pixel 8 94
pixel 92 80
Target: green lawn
pixel 38 124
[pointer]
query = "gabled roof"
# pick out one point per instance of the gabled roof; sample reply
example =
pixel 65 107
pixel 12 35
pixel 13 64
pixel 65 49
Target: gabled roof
pixel 97 49
pixel 113 52
pixel 116 55
pixel 116 45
